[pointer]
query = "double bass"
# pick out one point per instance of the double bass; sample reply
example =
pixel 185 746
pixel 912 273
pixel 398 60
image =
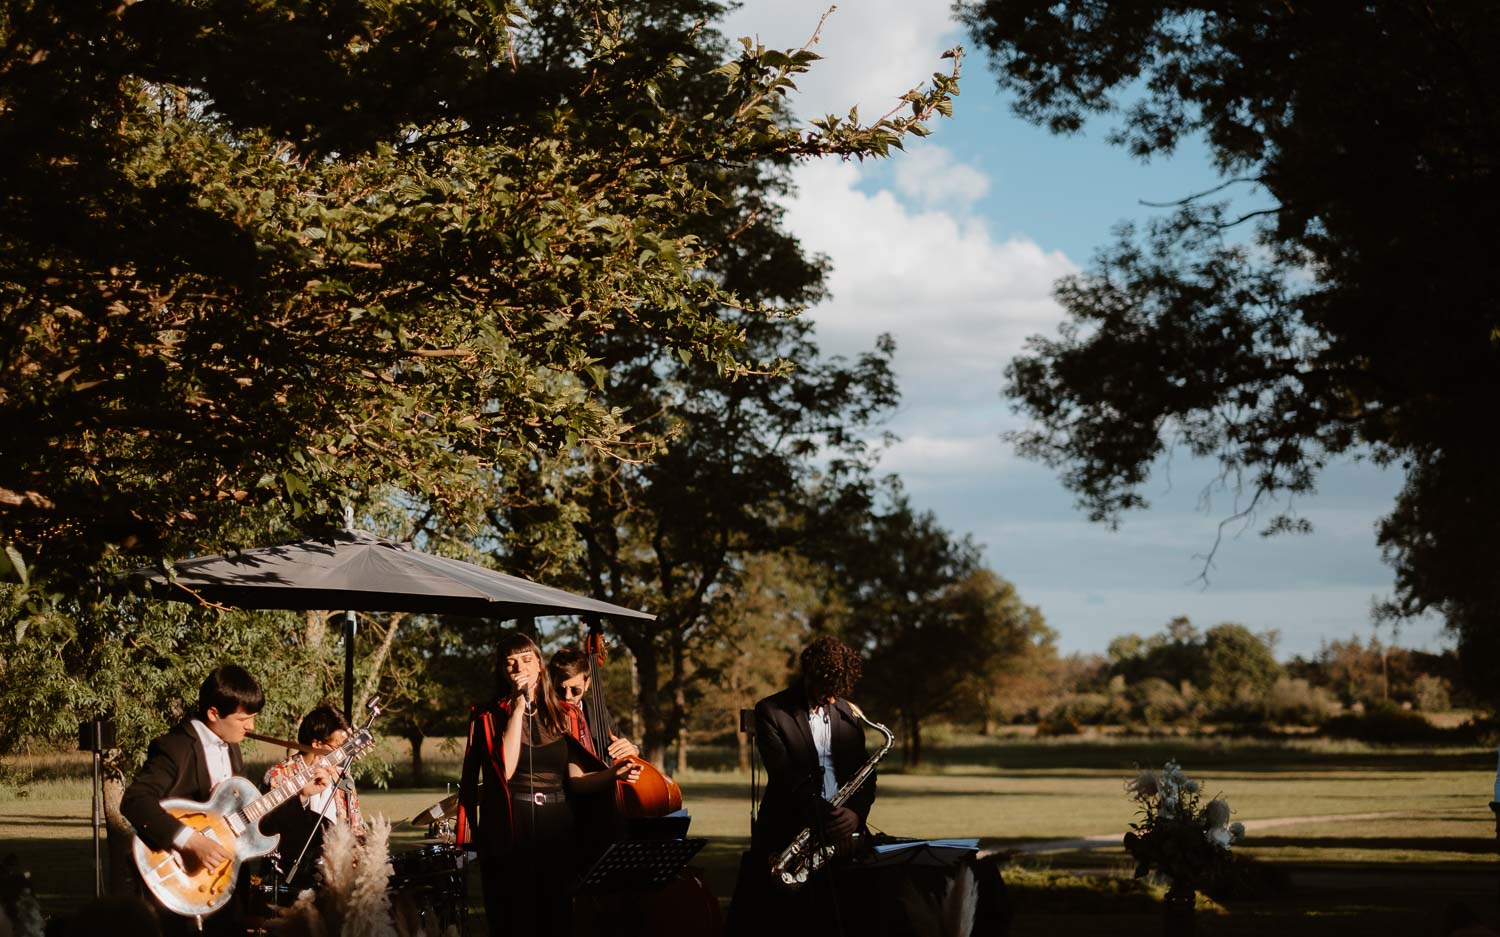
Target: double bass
pixel 685 907
pixel 653 794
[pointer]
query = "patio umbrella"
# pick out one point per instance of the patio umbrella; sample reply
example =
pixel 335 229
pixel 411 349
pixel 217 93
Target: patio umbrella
pixel 359 571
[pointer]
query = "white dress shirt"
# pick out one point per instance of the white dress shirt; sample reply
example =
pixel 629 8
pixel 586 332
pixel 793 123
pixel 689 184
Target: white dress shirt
pixel 822 736
pixel 216 757
pixel 318 802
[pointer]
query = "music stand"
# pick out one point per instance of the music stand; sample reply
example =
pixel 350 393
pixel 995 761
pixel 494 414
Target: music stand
pixel 940 853
pixel 639 865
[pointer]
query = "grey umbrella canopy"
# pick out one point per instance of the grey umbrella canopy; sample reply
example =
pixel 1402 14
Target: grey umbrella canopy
pixel 359 571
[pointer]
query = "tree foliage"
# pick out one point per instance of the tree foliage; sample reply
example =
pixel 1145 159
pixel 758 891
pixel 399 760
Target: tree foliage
pixel 260 261
pixel 257 261
pixel 1340 315
pixel 1227 671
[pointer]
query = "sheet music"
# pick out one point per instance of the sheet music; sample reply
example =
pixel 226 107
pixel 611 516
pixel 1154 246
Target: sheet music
pixel 972 845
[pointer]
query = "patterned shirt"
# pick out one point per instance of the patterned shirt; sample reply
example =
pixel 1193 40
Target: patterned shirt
pixel 345 808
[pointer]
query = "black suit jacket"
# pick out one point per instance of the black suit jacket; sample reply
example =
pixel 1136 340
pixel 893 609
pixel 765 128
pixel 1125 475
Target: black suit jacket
pixel 794 784
pixel 174 768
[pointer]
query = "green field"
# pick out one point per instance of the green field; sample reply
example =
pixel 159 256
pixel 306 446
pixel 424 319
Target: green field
pixel 1431 842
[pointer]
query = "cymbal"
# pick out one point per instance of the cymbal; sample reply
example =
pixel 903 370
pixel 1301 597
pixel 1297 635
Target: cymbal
pixel 444 809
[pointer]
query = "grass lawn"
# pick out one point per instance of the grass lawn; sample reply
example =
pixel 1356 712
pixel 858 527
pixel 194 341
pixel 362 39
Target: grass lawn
pixel 1433 843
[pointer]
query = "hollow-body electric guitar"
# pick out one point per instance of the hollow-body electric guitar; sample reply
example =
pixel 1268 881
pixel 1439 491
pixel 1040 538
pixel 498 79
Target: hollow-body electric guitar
pixel 231 818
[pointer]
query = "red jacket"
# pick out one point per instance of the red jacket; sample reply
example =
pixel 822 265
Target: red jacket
pixel 484 761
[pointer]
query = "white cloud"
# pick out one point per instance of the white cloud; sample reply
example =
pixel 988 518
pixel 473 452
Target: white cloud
pixel 920 457
pixel 914 253
pixel 873 50
pixel 959 301
pixel 928 175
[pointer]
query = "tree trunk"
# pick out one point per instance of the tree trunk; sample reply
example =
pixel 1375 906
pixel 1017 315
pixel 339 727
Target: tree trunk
pixel 679 702
pixel 377 662
pixel 317 630
pixel 914 732
pixel 526 624
pixel 121 878
pixel 653 735
pixel 742 741
pixel 414 738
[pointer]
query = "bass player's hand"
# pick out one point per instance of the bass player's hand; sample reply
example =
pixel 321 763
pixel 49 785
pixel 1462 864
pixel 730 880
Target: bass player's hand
pixel 621 748
pixel 203 853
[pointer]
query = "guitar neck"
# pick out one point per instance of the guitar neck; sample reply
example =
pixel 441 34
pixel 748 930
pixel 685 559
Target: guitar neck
pixel 285 789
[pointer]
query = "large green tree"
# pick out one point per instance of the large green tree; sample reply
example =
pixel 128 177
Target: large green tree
pixel 739 466
pixel 1341 311
pixel 260 260
pixel 257 260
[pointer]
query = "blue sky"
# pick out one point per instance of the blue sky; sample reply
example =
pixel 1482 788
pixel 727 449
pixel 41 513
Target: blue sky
pixel 953 247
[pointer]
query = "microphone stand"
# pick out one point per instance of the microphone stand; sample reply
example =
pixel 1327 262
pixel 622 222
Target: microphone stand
pixel 291 874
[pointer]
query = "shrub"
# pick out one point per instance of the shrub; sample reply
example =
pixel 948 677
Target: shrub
pixel 1090 709
pixel 1383 723
pixel 1430 694
pixel 1294 701
pixel 1156 702
pixel 1049 728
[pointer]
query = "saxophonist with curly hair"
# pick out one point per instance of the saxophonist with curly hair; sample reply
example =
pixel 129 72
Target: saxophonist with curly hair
pixel 811 743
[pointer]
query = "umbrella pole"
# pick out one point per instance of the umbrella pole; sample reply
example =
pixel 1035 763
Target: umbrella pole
pixel 348 663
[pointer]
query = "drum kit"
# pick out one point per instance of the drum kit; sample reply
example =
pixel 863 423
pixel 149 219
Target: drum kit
pixel 427 886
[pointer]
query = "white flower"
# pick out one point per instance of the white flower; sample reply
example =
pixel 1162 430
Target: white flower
pixel 1237 830
pixel 1219 837
pixel 1172 774
pixel 1143 785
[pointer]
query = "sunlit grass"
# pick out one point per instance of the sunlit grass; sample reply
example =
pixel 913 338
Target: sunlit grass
pixel 1433 843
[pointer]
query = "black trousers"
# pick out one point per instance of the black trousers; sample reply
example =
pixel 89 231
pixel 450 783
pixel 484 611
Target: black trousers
pixel 528 882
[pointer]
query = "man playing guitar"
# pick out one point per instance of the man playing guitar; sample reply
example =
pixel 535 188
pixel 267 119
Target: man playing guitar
pixel 188 762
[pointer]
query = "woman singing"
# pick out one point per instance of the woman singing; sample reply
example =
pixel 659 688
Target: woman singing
pixel 519 818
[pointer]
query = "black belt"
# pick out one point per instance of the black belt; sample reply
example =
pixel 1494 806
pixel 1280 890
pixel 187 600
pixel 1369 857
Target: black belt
pixel 539 798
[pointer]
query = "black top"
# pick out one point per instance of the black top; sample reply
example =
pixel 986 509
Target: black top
pixel 542 763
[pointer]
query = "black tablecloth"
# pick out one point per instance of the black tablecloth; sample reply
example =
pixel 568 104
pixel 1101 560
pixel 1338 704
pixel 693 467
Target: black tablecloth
pixel 920 892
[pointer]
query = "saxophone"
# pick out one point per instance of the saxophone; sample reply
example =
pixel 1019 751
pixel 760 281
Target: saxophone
pixel 798 861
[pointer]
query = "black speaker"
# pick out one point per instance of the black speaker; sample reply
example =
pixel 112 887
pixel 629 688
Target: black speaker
pixel 96 735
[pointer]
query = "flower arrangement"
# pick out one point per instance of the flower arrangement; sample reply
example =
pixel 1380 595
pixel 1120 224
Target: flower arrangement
pixel 1177 835
pixel 355 900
